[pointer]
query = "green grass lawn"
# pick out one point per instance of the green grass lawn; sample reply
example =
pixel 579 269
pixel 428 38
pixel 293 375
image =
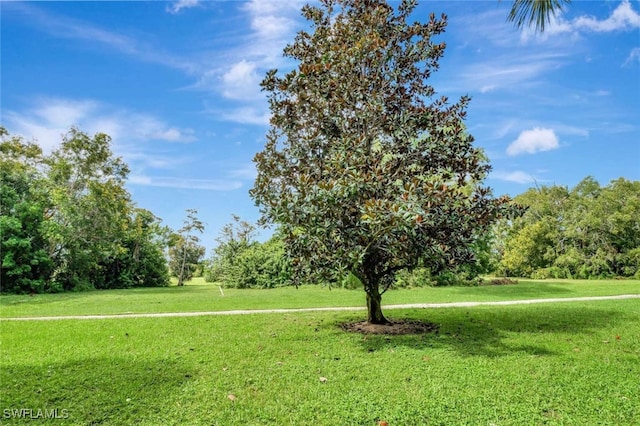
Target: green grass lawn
pixel 200 296
pixel 572 363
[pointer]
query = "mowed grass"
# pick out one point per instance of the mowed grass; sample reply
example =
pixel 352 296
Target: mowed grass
pixel 198 296
pixel 572 363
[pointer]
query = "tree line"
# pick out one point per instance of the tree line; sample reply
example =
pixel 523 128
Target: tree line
pixel 585 232
pixel 67 222
pixel 588 231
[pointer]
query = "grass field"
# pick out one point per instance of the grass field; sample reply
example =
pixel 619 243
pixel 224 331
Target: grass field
pixel 573 363
pixel 200 296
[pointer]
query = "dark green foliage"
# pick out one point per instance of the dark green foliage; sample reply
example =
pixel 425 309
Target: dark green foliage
pixel 235 238
pixel 261 265
pixel 68 223
pixel 24 258
pixel 241 262
pixel 140 261
pixel 586 232
pixel 363 171
pixel 90 207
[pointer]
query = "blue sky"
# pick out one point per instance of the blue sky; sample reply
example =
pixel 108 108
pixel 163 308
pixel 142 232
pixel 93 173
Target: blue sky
pixel 176 86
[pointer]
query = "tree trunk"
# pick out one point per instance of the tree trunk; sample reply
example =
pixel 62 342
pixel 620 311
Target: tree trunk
pixel 374 305
pixel 184 261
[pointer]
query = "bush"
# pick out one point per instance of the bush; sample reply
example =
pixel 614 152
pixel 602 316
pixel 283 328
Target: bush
pixel 550 272
pixel 419 277
pixel 260 265
pixel 214 270
pixel 350 282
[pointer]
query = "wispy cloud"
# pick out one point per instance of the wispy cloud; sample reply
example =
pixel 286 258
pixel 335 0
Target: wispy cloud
pixel 272 24
pixel 48 118
pixel 179 5
pixel 246 115
pixel 509 71
pixel 245 172
pixel 68 28
pixel 634 56
pixel 515 176
pixel 532 141
pixel 184 183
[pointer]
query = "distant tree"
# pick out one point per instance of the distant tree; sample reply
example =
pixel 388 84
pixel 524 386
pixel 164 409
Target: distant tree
pixel 362 170
pixel 234 238
pixel 187 252
pixel 588 231
pixel 91 207
pixel 535 13
pixel 68 223
pixel 140 262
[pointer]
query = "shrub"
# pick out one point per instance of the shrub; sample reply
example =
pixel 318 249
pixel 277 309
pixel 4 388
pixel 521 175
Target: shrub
pixel 419 277
pixel 350 282
pixel 260 265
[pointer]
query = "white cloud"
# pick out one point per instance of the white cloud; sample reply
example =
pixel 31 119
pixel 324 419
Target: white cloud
pixel 271 27
pixel 623 18
pixel 242 81
pixel 517 177
pixel 181 4
pixel 247 115
pixel 557 25
pixel 237 71
pixel 184 183
pixel 269 12
pixel 50 118
pixel 534 140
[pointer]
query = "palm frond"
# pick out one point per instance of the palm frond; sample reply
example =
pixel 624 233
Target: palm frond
pixel 535 13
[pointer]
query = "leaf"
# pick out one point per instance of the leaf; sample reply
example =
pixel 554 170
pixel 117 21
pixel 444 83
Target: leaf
pixel 231 397
pixel 323 380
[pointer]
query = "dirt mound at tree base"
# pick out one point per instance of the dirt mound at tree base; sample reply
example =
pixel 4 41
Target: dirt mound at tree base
pixel 393 328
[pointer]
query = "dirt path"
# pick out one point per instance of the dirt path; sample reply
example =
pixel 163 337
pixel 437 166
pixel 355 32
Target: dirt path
pixel 358 308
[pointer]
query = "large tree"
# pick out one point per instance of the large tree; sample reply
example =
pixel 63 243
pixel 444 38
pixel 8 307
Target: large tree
pixel 363 170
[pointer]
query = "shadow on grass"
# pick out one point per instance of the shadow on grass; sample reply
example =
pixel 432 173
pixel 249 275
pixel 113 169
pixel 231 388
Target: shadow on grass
pixel 485 331
pixel 93 391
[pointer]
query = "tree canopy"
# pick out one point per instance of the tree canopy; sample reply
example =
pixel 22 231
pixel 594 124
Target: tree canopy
pixel 587 231
pixel 67 221
pixel 364 169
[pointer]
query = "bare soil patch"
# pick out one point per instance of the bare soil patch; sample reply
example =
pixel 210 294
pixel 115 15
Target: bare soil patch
pixel 400 327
